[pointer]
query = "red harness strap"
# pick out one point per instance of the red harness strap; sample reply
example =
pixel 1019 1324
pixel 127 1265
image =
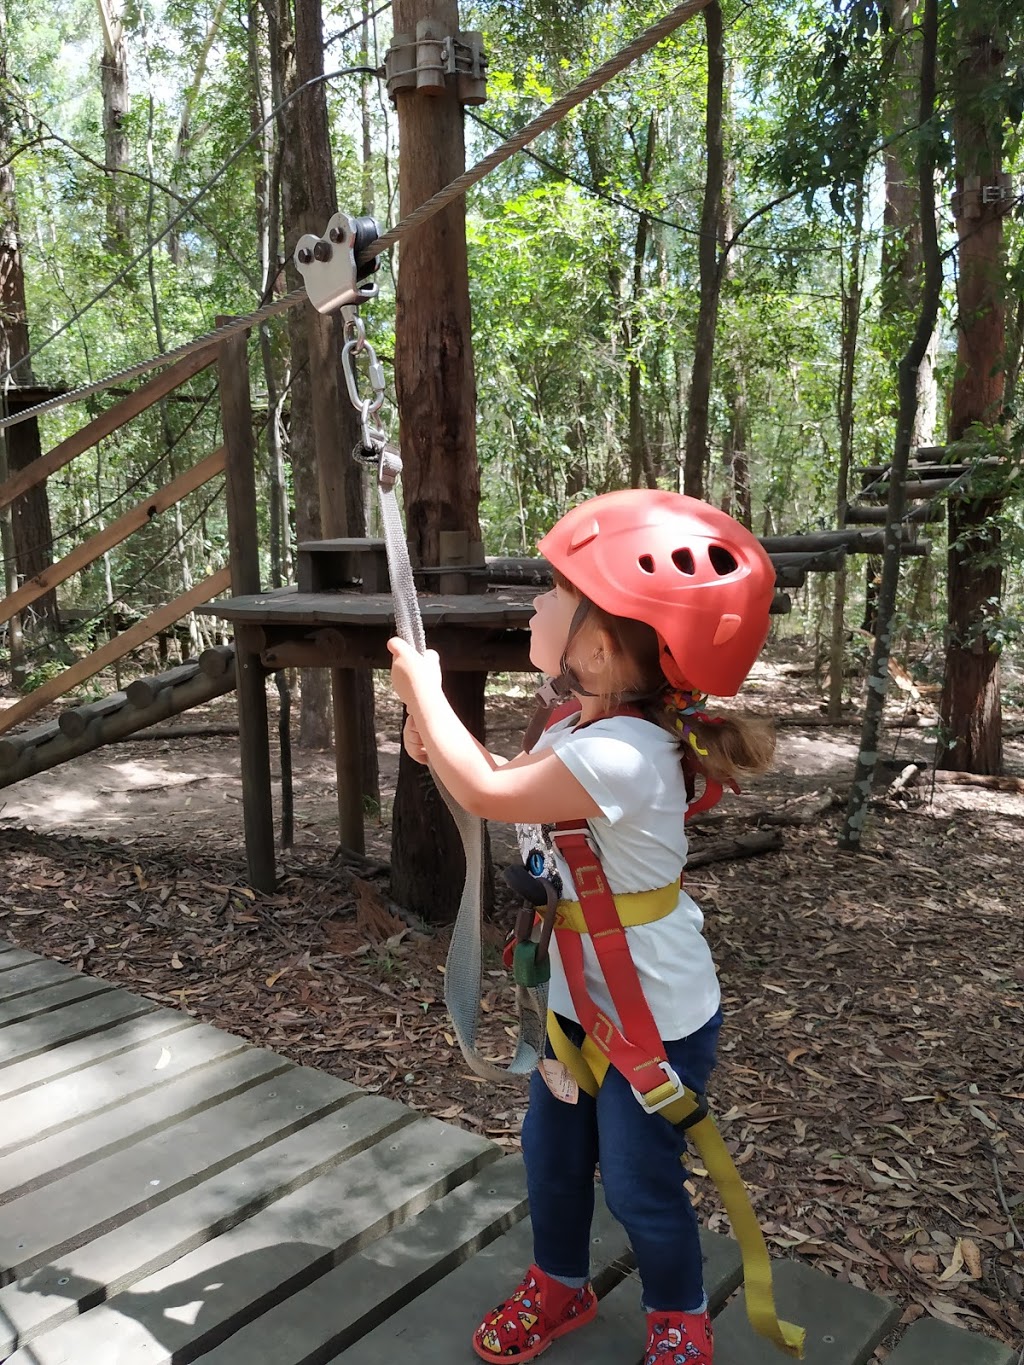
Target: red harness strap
pixel 637 1054
pixel 640 1057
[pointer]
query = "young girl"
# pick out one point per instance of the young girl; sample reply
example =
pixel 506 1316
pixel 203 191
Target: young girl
pixel 658 599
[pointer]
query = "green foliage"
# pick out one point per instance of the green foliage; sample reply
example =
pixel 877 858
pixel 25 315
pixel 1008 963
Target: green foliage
pixel 582 252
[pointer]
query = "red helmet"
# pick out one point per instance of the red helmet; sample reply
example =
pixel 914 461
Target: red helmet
pixel 685 568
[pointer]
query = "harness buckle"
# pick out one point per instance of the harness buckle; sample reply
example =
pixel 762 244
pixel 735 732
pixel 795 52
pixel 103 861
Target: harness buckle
pixel 670 1090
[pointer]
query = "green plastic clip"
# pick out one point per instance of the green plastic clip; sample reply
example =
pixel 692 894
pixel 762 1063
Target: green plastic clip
pixel 525 968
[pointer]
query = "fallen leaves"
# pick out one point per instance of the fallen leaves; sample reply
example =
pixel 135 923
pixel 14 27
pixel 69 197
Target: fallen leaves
pixel 869 1085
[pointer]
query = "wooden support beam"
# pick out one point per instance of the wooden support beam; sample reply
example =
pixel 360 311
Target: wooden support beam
pixel 107 422
pixel 36 751
pixel 77 719
pixel 115 649
pixel 90 550
pixel 861 514
pixel 243 541
pixel 144 691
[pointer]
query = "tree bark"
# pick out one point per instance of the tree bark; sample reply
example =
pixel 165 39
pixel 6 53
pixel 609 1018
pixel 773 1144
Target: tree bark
pixel 334 421
pixel 641 466
pixel 114 86
pixel 695 455
pixel 878 676
pixel 436 390
pixel 970 707
pixel 852 286
pixel 28 536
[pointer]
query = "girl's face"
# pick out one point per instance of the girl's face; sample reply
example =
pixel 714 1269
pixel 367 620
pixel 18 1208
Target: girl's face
pixel 549 629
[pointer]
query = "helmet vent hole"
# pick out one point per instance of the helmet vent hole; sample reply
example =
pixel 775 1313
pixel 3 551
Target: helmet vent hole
pixel 646 563
pixel 683 560
pixel 721 560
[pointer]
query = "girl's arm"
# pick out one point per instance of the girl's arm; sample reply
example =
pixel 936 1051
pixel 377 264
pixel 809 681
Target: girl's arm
pixel 531 789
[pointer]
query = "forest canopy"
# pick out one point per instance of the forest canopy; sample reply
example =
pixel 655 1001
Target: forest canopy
pixel 706 277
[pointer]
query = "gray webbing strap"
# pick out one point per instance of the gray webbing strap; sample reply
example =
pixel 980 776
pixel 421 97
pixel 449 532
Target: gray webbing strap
pixel 463 971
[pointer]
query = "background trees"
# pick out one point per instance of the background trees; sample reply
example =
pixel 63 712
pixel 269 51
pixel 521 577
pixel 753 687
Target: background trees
pixel 604 266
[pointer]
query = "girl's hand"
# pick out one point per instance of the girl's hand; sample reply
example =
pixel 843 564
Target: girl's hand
pixel 415 677
pixel 414 745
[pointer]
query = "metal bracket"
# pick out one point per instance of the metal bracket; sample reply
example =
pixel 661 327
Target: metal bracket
pixel 329 265
pixel 433 58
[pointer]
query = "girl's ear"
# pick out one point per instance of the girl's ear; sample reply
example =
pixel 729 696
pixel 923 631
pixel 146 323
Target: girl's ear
pixel 603 648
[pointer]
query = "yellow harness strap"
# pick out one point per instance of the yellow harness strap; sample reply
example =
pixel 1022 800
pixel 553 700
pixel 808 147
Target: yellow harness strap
pixel 634 907
pixel 588 1066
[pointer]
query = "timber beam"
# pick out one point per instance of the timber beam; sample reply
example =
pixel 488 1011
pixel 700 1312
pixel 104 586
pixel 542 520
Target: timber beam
pixel 34 751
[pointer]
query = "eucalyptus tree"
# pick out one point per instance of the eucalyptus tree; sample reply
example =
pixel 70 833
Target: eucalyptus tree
pixel 983 46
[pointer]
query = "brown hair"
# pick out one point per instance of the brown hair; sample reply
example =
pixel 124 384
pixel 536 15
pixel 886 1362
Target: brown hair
pixel 737 746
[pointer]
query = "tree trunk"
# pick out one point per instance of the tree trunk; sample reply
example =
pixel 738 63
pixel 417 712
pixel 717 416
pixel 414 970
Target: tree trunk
pixel 695 455
pixel 970 708
pixel 334 420
pixel 878 676
pixel 641 466
pixel 851 290
pixel 114 85
pixel 28 536
pixel 436 391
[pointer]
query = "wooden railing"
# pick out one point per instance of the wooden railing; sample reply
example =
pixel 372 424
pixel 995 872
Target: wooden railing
pixel 241 506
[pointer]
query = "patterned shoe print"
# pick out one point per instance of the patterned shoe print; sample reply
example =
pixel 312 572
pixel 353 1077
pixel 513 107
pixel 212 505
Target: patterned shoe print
pixel 539 1311
pixel 679 1339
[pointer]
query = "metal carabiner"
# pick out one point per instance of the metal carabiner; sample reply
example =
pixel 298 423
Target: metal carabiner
pixel 375 371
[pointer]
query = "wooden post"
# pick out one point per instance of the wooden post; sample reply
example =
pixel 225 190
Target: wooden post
pixel 243 543
pixel 436 391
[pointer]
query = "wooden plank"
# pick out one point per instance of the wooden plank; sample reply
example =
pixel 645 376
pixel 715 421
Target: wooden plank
pixel 58 1044
pixel 723 1274
pixel 442 1320
pixel 494 649
pixel 11 957
pixel 349 1301
pixel 47 1223
pixel 277 1251
pixel 112 1262
pixel 930 1342
pixel 49 998
pixel 287 605
pixel 149 1062
pixel 120 1125
pixel 90 550
pixel 114 649
pixel 111 420
pixel 844 1324
pixel 33 976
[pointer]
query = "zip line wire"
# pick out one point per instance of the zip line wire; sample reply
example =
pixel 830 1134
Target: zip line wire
pixel 599 77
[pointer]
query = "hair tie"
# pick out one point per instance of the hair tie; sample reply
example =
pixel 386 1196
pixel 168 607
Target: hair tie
pixel 683 705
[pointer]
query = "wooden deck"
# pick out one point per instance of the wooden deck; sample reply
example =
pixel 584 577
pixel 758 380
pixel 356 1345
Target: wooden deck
pixel 170 1194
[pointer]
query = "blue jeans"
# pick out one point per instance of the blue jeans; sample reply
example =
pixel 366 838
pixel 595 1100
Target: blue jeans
pixel 639 1156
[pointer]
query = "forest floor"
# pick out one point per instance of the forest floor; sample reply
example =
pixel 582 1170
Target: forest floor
pixel 871 1083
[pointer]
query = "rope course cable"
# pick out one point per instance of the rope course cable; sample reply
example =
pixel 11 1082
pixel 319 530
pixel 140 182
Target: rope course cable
pixel 554 113
pixel 133 371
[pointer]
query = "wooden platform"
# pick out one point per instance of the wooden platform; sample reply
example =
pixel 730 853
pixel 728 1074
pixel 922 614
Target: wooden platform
pixel 170 1193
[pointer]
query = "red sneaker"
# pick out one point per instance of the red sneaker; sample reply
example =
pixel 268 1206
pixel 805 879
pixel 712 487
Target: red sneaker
pixel 679 1339
pixel 540 1310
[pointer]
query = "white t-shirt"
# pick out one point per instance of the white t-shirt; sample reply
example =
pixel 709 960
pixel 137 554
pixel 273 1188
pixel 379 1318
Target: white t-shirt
pixel 631 768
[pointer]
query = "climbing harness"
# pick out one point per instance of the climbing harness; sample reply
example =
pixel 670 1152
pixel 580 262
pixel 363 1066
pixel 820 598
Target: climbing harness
pixel 641 1058
pixel 635 1048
